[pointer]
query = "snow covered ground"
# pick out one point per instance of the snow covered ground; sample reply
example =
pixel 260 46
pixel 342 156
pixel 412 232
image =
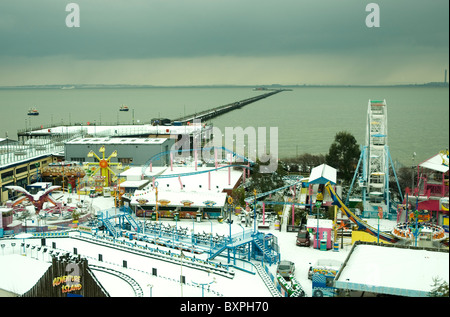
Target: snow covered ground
pixel 166 283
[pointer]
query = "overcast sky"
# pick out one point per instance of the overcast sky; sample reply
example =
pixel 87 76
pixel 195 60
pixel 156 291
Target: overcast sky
pixel 194 42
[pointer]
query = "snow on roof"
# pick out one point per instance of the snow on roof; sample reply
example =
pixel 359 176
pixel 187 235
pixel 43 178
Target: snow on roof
pixel 121 129
pixel 331 263
pixel 176 198
pixel 16 267
pixel 322 174
pixel 191 179
pixel 436 163
pixel 323 223
pixel 107 140
pixel 135 173
pixel 134 184
pixel 393 270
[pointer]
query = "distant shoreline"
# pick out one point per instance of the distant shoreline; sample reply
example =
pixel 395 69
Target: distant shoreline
pixel 272 86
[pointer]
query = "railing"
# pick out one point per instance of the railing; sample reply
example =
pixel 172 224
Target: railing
pixel 12 153
pixel 80 124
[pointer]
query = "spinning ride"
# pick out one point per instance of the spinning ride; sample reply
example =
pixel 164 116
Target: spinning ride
pixel 103 165
pixel 410 231
pixel 419 228
pixel 37 200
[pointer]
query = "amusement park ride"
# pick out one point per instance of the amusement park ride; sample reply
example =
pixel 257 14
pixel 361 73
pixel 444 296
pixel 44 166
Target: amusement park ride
pixel 376 162
pixel 104 166
pixel 37 200
pixel 374 182
pixel 410 232
pixel 250 243
pixel 70 171
pixel 74 174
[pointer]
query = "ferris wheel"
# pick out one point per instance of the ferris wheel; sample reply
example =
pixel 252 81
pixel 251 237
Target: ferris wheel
pixel 376 164
pixel 377 152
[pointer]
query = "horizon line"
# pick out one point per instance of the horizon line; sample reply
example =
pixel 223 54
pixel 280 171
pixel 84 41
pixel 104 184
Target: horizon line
pixel 83 86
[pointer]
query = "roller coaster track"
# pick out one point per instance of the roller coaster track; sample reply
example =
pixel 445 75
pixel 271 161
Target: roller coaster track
pixel 267 281
pixel 161 175
pixel 221 148
pixel 157 255
pixel 131 281
pixel 251 199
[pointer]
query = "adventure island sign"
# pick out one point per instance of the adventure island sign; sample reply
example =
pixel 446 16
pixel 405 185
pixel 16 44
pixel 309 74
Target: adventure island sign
pixel 68 276
pixel 69 283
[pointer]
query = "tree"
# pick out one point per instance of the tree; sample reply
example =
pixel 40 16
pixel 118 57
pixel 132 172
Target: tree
pixel 343 155
pixel 406 177
pixel 440 288
pixel 238 195
pixel 264 182
pixel 304 162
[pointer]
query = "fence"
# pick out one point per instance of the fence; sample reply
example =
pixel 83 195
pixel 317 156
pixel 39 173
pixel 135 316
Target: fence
pixel 57 283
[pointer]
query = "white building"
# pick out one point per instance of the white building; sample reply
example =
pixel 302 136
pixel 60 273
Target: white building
pixel 372 269
pixel 183 189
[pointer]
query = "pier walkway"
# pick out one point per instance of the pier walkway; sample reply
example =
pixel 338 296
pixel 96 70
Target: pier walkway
pixel 214 112
pixel 63 132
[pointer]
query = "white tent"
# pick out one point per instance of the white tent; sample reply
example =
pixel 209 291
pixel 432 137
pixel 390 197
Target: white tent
pixel 439 163
pixel 322 174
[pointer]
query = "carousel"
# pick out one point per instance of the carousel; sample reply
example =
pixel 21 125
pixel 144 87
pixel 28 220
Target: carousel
pixel 418 230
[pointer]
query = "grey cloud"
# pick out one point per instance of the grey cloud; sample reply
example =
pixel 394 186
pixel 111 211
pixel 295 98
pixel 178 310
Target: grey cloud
pixel 192 28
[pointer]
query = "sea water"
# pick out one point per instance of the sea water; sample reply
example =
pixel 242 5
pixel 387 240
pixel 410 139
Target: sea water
pixel 307 118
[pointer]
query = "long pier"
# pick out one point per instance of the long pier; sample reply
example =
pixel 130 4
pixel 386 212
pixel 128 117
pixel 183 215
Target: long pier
pixel 217 111
pixel 137 128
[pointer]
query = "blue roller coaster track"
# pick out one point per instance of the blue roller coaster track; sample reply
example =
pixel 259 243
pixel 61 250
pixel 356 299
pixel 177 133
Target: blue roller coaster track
pixel 248 199
pixel 251 199
pixel 162 154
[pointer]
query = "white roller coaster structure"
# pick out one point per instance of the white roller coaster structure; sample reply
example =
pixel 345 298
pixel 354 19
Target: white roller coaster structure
pixel 376 161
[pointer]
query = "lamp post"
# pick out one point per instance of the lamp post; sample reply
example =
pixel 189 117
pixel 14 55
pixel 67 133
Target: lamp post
pixel 143 227
pixel 243 236
pixel 254 213
pixel 416 230
pixel 230 207
pixel 156 200
pixel 230 200
pixel 210 239
pixel 151 287
pixel 181 272
pixel 319 200
pixel 380 215
pixel 193 232
pixel 207 282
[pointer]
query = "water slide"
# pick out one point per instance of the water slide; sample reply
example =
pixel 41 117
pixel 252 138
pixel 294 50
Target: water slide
pixel 362 225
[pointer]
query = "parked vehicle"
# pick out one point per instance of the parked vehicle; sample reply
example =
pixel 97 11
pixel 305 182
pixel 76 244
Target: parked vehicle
pixel 285 268
pixel 303 238
pixel 324 265
pixel 322 274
